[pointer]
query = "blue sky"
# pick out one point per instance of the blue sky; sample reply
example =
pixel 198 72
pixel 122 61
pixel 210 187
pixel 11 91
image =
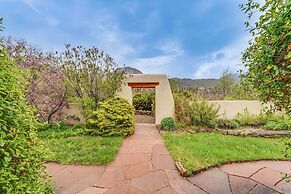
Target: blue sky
pixel 181 38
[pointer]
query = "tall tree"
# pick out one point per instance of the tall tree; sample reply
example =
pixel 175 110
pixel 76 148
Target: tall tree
pixel 91 75
pixel 268 57
pixel 46 91
pixel 226 82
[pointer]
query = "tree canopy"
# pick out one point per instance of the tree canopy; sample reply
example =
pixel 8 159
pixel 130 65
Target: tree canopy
pixel 91 76
pixel 268 57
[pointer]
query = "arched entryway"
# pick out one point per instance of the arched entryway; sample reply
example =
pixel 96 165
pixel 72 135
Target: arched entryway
pixel 164 102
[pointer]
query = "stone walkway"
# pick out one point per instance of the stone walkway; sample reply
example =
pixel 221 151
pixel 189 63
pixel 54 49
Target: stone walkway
pixel 260 177
pixel 69 179
pixel 143 165
pixel 144 119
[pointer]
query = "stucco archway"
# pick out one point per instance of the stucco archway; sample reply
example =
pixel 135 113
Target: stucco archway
pixel 164 106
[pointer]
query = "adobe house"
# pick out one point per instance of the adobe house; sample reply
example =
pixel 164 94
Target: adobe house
pixel 164 102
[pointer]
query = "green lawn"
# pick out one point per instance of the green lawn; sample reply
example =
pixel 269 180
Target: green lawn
pixel 82 149
pixel 201 150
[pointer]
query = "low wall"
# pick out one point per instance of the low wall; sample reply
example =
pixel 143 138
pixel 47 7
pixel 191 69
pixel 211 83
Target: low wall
pixel 230 108
pixel 72 114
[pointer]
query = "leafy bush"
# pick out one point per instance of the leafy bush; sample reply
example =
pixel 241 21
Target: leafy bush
pixel 269 120
pixel 247 119
pixel 144 101
pixel 21 164
pixel 225 123
pixel 271 125
pixel 168 124
pixel 278 122
pixel 114 117
pixel 203 113
pixel 182 107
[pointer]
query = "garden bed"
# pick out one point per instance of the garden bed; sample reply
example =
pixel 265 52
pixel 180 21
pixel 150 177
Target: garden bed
pixel 246 131
pixel 200 151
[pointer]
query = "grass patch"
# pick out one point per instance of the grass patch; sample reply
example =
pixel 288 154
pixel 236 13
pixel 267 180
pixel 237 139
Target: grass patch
pixel 82 149
pixel 58 133
pixel 59 130
pixel 201 150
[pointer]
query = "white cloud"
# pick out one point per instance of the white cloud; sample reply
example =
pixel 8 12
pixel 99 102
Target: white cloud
pixel 124 48
pixel 230 58
pixel 112 39
pixel 171 51
pixel 32 5
pixel 52 21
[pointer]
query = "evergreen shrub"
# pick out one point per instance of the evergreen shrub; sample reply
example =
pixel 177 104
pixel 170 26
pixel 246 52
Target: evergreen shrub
pixel 113 117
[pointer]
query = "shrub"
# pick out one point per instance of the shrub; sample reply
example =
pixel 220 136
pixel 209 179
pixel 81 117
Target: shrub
pixel 144 101
pixel 182 108
pixel 271 125
pixel 114 117
pixel 268 120
pixel 203 113
pixel 168 124
pixel 225 123
pixel 246 118
pixel 278 122
pixel 21 164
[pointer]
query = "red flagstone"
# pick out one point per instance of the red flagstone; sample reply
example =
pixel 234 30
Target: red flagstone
pixel 93 190
pixel 160 149
pixel 124 188
pixel 144 165
pixel 284 186
pixel 137 170
pixel 212 181
pixel 180 184
pixel 130 159
pixel 73 178
pixel 151 182
pixel 262 189
pixel 113 176
pixel 240 185
pixel 268 177
pixel 242 169
pixel 168 190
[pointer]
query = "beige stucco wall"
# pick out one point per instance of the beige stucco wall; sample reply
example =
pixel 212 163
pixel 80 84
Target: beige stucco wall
pixel 230 108
pixel 164 98
pixel 72 114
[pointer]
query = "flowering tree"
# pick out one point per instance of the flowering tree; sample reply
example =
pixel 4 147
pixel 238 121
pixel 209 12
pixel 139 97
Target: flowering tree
pixel 46 91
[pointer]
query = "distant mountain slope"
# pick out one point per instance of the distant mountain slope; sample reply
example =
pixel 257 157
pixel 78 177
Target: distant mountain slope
pixel 131 70
pixel 189 83
pixel 184 82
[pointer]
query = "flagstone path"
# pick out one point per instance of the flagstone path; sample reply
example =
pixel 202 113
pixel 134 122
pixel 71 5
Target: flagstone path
pixel 144 165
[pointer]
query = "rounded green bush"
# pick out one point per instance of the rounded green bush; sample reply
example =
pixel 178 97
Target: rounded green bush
pixel 113 117
pixel 168 124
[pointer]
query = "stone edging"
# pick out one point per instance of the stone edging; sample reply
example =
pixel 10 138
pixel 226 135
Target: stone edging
pixel 253 132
